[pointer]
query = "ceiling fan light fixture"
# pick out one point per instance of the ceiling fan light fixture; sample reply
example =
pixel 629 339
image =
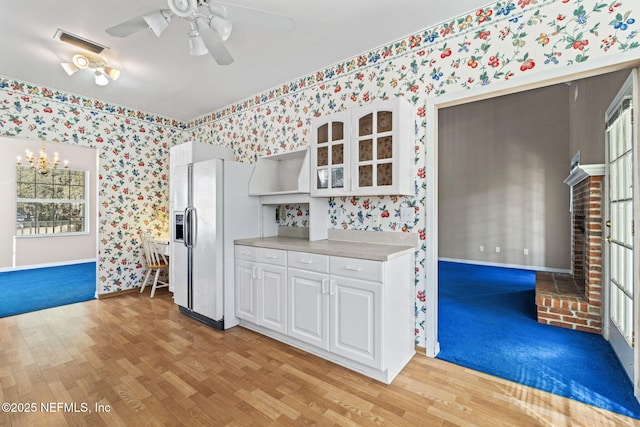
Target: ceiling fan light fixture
pixel 80 61
pixel 100 78
pixel 196 44
pixel 69 67
pixel 112 72
pixel 221 26
pixel 157 22
pixel 217 9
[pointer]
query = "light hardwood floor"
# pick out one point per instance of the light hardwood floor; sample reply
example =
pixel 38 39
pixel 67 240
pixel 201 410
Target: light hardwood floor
pixel 143 363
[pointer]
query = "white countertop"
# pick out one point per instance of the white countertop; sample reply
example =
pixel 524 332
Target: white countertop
pixel 342 248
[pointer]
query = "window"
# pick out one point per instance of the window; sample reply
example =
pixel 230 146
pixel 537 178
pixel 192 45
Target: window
pixel 51 204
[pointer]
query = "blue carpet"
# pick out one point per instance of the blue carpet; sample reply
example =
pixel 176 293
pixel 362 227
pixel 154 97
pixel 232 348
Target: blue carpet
pixel 487 322
pixel 24 291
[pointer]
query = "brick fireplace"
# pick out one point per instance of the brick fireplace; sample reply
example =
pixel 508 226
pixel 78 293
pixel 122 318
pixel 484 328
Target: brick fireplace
pixel 574 300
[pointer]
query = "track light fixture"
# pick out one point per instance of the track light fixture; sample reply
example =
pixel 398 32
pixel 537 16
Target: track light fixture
pixel 95 64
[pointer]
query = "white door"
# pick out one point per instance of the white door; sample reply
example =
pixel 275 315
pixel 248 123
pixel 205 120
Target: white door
pixel 178 251
pixel 308 315
pixel 246 302
pixel 356 320
pixel 207 246
pixel 272 297
pixel 620 277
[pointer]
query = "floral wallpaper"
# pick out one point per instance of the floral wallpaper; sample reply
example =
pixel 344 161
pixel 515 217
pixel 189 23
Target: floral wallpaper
pixel 503 41
pixel 133 168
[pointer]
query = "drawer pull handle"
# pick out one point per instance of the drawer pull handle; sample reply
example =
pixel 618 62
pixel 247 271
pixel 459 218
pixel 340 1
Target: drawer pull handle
pixel 305 261
pixel 272 256
pixel 332 287
pixel 325 284
pixel 245 253
pixel 353 268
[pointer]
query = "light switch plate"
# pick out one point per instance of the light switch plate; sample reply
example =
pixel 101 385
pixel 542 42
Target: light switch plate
pixel 407 214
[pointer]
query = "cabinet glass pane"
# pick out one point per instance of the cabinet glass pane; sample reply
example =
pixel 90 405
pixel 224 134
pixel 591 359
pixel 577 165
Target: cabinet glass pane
pixel 323 156
pixel 365 125
pixel 385 147
pixel 365 150
pixel 365 176
pixel 384 121
pixel 323 178
pixel 323 134
pixel 337 131
pixel 384 174
pixel 337 154
pixel 337 178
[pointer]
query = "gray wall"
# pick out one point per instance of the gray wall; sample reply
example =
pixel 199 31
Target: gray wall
pixel 589 100
pixel 501 164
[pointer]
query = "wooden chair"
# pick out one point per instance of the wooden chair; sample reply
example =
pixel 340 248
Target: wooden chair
pixel 155 261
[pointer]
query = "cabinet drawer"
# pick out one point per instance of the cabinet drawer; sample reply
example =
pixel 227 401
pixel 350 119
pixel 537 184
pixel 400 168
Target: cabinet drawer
pixel 307 261
pixel 272 256
pixel 357 268
pixel 248 253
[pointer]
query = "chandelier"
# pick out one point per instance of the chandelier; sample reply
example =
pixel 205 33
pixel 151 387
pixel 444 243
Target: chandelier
pixel 42 164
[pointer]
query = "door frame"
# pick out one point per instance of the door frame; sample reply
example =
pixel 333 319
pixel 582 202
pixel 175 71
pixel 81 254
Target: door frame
pixel 520 84
pixel 630 83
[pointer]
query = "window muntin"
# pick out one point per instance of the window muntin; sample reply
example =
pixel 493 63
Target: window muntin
pixel 51 204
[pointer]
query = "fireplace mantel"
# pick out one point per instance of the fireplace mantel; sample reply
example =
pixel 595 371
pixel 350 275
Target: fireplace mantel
pixel 581 172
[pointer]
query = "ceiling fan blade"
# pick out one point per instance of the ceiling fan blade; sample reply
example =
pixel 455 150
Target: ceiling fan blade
pixel 255 17
pixel 131 26
pixel 216 48
pixel 214 43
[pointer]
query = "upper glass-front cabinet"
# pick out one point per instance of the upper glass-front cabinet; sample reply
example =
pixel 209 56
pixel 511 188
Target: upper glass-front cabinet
pixel 329 154
pixel 372 156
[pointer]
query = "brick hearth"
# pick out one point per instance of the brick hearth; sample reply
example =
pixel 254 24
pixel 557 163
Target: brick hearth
pixel 575 301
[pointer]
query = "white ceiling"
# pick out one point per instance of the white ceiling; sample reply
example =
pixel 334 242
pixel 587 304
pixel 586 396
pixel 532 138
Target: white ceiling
pixel 158 74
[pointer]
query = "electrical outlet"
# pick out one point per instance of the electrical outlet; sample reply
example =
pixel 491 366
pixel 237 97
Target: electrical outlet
pixel 481 248
pixel 339 215
pixel 375 221
pixel 526 251
pixel 497 249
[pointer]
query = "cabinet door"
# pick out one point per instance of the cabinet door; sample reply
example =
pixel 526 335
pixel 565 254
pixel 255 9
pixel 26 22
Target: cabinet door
pixel 373 147
pixel 356 320
pixel 330 171
pixel 308 319
pixel 272 297
pixel 381 147
pixel 246 290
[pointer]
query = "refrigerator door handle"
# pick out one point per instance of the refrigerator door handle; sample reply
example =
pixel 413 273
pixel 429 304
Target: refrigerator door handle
pixel 187 228
pixel 194 227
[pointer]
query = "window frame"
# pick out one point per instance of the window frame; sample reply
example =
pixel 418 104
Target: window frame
pixel 84 202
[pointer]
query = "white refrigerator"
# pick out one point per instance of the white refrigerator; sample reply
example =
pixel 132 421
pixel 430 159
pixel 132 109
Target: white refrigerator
pixel 211 208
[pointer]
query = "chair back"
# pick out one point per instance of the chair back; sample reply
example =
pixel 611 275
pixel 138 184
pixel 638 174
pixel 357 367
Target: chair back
pixel 153 251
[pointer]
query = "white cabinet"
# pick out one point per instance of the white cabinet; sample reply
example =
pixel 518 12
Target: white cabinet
pixel 364 151
pixel 308 319
pixel 261 287
pixel 308 307
pixel 335 313
pixel 330 171
pixel 246 290
pixel 355 312
pixel 286 173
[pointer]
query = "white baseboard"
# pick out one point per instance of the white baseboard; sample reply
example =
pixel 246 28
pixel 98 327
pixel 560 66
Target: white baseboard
pixel 52 264
pixel 497 264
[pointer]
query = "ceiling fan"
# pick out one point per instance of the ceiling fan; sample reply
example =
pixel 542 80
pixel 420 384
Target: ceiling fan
pixel 210 21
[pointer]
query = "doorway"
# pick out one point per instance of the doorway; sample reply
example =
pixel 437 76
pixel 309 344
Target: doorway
pixel 433 106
